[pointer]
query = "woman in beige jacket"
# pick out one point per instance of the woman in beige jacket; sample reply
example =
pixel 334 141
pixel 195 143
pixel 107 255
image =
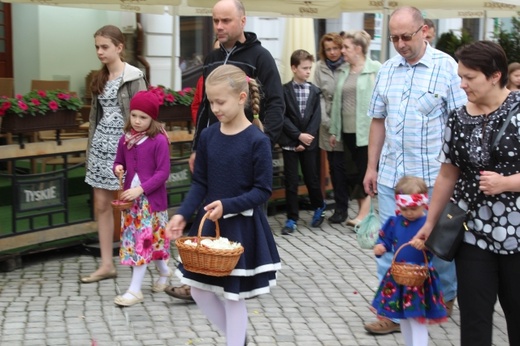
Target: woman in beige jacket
pixel 327 70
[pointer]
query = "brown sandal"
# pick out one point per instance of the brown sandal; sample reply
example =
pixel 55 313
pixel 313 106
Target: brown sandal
pixel 182 292
pixel 381 327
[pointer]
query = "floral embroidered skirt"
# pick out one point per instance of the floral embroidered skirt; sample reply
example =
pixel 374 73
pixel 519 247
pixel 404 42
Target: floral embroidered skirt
pixel 143 237
pixel 424 303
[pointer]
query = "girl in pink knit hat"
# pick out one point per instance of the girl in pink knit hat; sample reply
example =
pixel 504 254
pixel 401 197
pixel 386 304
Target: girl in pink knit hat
pixel 143 155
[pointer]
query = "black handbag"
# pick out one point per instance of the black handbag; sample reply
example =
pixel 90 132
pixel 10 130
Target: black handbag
pixel 447 235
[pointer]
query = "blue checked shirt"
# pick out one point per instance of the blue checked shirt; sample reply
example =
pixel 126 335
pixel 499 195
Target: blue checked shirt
pixel 302 94
pixel 415 102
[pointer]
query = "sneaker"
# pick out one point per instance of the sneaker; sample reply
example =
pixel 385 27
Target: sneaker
pixel 339 216
pixel 319 216
pixel 382 327
pixel 290 227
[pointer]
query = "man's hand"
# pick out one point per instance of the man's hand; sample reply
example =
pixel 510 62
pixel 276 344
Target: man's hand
pixel 370 182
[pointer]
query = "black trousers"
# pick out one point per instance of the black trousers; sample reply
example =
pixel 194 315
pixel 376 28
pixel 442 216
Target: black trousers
pixel 482 276
pixel 356 162
pixel 311 177
pixel 338 178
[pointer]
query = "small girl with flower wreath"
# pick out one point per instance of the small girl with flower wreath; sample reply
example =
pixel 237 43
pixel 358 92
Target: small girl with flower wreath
pixel 414 306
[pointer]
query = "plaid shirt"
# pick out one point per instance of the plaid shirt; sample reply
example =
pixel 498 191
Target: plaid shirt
pixel 302 94
pixel 415 102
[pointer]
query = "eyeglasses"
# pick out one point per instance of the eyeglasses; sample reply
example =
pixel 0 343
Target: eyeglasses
pixel 405 37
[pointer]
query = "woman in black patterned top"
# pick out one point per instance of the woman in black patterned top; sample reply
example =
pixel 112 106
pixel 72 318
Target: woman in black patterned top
pixel 483 178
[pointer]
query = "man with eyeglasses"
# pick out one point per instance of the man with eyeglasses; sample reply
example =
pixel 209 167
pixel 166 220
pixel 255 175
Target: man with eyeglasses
pixel 413 95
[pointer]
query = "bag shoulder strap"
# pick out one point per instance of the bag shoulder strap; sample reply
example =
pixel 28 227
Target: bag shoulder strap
pixel 513 111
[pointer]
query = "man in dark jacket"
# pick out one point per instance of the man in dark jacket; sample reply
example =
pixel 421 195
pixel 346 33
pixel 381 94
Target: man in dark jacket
pixel 245 51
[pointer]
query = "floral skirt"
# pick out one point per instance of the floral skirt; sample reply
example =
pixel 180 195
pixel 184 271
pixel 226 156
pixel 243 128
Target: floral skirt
pixel 143 237
pixel 424 303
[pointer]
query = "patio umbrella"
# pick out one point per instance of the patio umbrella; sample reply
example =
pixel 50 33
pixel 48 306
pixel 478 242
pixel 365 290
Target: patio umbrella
pixel 509 2
pixel 298 34
pixel 334 8
pixel 99 2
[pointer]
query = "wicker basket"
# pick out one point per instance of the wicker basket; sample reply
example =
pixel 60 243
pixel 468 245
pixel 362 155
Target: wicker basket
pixel 408 274
pixel 119 204
pixel 204 260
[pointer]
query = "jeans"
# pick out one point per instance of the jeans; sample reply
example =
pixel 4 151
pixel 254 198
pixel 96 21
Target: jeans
pixel 446 270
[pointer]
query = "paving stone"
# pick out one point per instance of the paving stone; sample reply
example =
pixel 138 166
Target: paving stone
pixel 321 299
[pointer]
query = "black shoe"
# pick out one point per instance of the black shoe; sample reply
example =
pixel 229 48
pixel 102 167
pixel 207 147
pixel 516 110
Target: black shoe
pixel 339 216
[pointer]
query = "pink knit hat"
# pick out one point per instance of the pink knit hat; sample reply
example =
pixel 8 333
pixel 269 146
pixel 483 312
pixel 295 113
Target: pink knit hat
pixel 146 102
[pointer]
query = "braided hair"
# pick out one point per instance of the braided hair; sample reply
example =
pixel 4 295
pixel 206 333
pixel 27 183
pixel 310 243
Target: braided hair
pixel 239 82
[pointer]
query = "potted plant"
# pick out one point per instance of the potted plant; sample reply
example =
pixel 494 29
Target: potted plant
pixel 175 105
pixel 39 110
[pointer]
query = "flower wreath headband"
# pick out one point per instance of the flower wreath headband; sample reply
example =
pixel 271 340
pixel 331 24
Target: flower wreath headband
pixel 413 200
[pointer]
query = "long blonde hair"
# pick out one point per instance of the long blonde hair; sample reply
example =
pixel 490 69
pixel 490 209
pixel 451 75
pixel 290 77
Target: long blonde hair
pixel 239 82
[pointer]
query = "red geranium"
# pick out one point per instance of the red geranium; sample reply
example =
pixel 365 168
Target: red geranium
pixel 39 102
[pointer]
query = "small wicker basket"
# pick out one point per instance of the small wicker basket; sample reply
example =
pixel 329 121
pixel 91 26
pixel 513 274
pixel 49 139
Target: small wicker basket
pixel 408 274
pixel 119 204
pixel 204 260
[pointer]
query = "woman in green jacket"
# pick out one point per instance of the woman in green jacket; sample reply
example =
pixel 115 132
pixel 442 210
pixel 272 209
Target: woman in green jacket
pixel 349 122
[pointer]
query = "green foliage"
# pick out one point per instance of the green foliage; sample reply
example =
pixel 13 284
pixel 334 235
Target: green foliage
pixel 510 41
pixel 448 42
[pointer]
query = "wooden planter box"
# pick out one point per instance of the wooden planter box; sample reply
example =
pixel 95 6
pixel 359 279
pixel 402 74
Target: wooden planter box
pixel 59 120
pixel 175 113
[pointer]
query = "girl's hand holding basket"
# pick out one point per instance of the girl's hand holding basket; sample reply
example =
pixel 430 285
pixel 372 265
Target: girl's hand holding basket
pixel 214 210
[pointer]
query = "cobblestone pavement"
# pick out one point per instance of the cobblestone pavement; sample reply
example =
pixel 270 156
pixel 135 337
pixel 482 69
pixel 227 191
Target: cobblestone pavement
pixel 324 289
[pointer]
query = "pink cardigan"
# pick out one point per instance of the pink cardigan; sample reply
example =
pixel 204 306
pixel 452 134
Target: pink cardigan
pixel 150 160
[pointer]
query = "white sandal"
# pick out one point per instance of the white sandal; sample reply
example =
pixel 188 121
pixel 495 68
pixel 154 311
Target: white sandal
pixel 158 287
pixel 122 301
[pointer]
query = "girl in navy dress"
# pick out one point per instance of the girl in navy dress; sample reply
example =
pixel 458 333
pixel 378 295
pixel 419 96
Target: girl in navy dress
pixel 232 179
pixel 418 306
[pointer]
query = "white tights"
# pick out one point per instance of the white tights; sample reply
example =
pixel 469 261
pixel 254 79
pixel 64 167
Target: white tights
pixel 138 273
pixel 228 315
pixel 414 333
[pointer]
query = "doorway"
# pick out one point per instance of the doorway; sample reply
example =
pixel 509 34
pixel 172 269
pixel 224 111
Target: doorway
pixel 6 43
